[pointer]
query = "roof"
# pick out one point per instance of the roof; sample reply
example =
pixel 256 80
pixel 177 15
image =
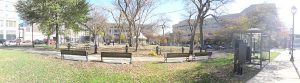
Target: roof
pixel 141 36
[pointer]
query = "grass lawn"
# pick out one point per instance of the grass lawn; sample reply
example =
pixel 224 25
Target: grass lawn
pixel 19 66
pixel 273 55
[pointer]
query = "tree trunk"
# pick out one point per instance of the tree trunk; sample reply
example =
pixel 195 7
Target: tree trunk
pixel 191 51
pixel 98 41
pixel 32 36
pixel 48 38
pixel 163 31
pixel 104 40
pixel 125 34
pixel 95 46
pixel 136 43
pixel 130 39
pixel 201 36
pixel 120 38
pixel 56 34
pixel 130 34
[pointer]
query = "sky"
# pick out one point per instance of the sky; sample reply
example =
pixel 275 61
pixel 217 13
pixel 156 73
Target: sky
pixel 173 9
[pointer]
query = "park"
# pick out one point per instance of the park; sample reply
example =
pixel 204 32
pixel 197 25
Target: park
pixel 129 41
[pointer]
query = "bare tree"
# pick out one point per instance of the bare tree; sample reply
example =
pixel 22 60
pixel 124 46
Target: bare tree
pixel 178 37
pixel 136 12
pixel 163 23
pixel 119 19
pixel 96 24
pixel 202 8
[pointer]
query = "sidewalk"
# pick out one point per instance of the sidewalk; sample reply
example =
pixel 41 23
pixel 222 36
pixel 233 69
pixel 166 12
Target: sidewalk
pixel 280 70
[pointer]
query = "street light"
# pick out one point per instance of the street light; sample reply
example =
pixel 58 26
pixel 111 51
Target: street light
pixel 293 10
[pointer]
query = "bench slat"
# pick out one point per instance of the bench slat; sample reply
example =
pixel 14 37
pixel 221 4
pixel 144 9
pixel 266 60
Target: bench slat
pixel 116 54
pixel 172 55
pixel 203 54
pixel 74 52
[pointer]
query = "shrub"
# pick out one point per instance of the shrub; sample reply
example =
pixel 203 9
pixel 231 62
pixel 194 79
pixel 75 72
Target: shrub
pixel 152 53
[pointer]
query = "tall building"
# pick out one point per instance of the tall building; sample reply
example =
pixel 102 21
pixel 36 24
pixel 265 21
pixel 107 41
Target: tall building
pixel 146 29
pixel 8 20
pixel 267 20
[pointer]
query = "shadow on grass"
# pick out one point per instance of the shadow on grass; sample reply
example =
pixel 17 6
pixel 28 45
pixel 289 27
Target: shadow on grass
pixel 210 71
pixel 218 70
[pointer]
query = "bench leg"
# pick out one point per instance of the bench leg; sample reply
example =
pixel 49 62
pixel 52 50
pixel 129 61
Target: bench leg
pixel 62 56
pixel 187 58
pixel 166 59
pixel 130 61
pixel 87 59
pixel 194 58
pixel 101 59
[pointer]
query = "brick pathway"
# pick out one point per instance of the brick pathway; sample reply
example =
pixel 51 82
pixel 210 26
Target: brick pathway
pixel 96 57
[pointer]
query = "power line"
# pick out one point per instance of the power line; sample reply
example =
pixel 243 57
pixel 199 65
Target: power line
pixel 171 11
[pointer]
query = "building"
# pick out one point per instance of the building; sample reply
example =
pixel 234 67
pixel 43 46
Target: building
pixel 37 34
pixel 114 32
pixel 297 41
pixel 211 25
pixel 9 24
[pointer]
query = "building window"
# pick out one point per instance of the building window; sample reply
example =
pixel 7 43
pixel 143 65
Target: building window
pixel 1 23
pixel 10 23
pixel 10 35
pixel 1 34
pixel 10 32
pixel 27 29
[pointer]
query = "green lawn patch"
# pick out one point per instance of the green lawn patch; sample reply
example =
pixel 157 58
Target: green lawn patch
pixel 20 66
pixel 273 55
pixel 217 70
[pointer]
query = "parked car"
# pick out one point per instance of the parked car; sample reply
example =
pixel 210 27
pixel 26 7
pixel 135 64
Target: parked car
pixel 2 41
pixel 38 41
pixel 209 47
pixel 11 42
pixel 26 41
pixel 18 40
pixel 51 41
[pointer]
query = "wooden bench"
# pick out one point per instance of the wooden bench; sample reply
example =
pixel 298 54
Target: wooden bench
pixel 74 52
pixel 86 47
pixel 176 55
pixel 116 55
pixel 202 54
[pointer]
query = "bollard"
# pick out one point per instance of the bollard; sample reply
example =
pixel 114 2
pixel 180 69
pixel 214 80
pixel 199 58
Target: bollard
pixel 126 48
pixel 159 51
pixel 182 49
pixel 157 48
pixel 96 48
pixel 69 45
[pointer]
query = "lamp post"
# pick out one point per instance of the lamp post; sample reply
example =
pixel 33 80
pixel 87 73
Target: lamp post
pixel 293 10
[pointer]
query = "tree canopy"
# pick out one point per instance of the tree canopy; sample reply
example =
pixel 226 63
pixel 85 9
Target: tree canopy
pixel 54 12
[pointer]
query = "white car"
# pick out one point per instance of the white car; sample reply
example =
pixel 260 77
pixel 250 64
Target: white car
pixel 10 42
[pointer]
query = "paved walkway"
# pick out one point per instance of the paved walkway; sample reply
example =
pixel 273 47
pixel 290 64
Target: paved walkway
pixel 280 70
pixel 97 57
